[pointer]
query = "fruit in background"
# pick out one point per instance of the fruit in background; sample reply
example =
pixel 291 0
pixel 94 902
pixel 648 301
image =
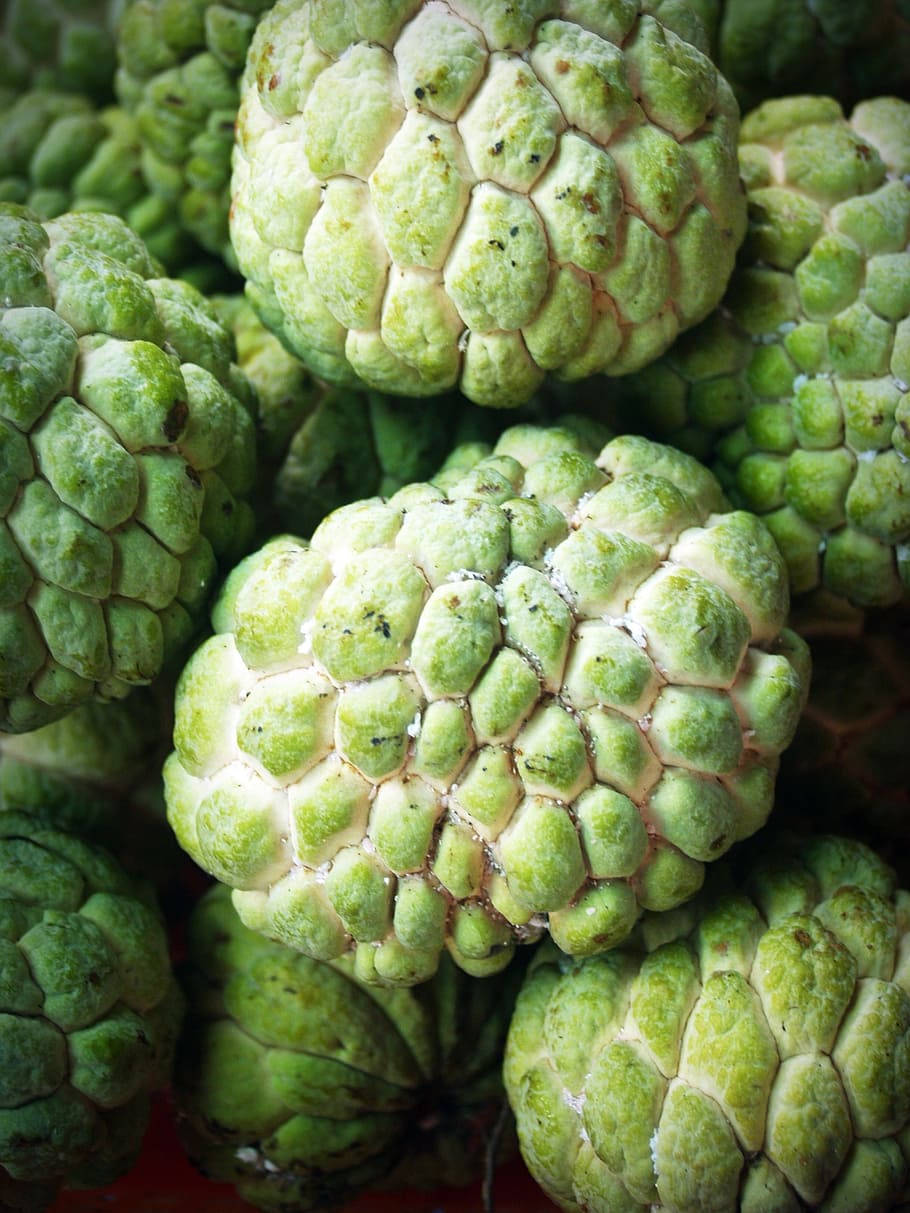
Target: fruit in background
pixel 60 44
pixel 797 390
pixel 853 48
pixel 849 765
pixel 544 696
pixel 127 450
pixel 751 1052
pixel 90 1013
pixel 463 195
pixel 60 153
pixel 321 447
pixel 179 75
pixel 303 1086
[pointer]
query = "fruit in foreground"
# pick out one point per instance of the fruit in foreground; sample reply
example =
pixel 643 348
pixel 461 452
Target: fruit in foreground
pixel 751 1052
pixel 126 450
pixel 543 696
pixel 797 390
pixel 90 1013
pixel 429 196
pixel 303 1086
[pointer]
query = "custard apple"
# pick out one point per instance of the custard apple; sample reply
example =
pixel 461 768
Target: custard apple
pixel 545 696
pixel 179 74
pixel 797 390
pixel 303 1086
pixel 126 448
pixel 751 1052
pixel 854 48
pixel 466 194
pixel 60 44
pixel 60 153
pixel 90 1013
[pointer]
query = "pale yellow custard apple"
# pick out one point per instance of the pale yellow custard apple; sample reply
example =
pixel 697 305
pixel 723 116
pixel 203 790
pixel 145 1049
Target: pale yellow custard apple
pixel 540 692
pixel 470 194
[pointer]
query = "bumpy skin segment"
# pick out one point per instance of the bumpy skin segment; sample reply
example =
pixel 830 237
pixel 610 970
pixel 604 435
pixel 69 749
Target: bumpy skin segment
pixel 542 691
pixel 89 1017
pixel 60 44
pixel 854 48
pixel 179 75
pixel 751 1052
pixel 303 1086
pixel 797 389
pixel 849 764
pixel 126 450
pixel 453 196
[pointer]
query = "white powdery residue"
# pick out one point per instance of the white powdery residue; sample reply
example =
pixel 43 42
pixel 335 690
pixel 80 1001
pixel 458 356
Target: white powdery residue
pixel 557 581
pixel 900 385
pixel 368 845
pixel 902 458
pixel 465 575
pixel 800 381
pixel 270 1166
pixel 645 722
pixel 320 873
pixel 788 326
pixel 413 729
pixel 652 1147
pixel 575 1102
pixel 902 552
pixel 866 456
pixel 247 1154
pixel 306 637
pixel 463 340
pixel 636 631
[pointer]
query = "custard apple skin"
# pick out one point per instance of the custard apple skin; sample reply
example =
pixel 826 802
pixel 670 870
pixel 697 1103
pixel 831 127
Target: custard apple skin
pixel 303 1086
pixel 751 1052
pixel 90 1016
pixel 60 44
pixel 542 691
pixel 179 69
pixel 797 389
pixel 127 446
pixel 432 196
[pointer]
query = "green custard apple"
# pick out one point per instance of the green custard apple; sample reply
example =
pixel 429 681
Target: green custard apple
pixel 60 44
pixel 854 48
pixel 303 1086
pixel 465 194
pixel 180 63
pixel 127 447
pixel 543 696
pixel 751 1052
pixel 59 152
pixel 89 1013
pixel 797 389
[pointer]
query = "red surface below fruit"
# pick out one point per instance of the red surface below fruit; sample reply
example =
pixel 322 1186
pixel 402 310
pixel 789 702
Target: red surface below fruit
pixel 163 1181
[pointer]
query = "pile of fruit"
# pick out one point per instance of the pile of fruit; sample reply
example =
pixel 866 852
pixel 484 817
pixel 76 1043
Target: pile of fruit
pixel 455 599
